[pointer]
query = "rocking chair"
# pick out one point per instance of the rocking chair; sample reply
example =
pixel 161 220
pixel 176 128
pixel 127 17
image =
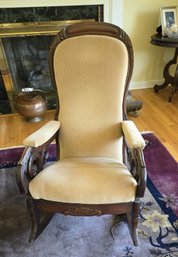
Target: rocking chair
pixel 100 166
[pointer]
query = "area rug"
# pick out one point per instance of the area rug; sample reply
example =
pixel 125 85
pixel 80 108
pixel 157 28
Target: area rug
pixel 162 170
pixel 9 157
pixel 88 236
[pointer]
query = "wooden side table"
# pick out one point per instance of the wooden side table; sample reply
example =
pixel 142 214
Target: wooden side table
pixel 159 40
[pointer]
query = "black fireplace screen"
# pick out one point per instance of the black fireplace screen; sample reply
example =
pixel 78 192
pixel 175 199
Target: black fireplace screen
pixel 27 58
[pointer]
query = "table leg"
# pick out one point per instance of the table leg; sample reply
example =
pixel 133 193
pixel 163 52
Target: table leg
pixel 174 86
pixel 168 78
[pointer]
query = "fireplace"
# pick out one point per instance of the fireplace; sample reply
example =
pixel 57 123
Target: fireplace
pixel 26 34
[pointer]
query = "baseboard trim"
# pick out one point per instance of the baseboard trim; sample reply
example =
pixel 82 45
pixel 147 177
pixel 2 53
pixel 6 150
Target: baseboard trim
pixel 145 84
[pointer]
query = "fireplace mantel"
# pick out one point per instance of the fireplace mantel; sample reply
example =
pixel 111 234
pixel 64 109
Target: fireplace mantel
pixel 113 9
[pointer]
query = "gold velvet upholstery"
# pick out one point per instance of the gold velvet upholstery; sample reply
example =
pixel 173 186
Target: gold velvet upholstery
pixel 91 87
pixel 91 123
pixel 42 135
pixel 100 167
pixel 132 135
pixel 85 180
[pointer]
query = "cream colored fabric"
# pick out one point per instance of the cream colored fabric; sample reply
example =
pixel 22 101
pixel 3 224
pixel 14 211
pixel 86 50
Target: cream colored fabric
pixel 90 73
pixel 133 137
pixel 43 134
pixel 84 180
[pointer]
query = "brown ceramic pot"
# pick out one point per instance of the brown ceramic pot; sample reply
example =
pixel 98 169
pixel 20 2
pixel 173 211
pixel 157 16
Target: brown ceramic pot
pixel 31 104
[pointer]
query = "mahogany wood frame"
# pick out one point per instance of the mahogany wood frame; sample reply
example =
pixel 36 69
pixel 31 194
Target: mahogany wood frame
pixel 33 158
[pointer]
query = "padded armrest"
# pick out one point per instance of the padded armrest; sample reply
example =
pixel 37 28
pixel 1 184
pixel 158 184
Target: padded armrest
pixel 132 135
pixel 43 134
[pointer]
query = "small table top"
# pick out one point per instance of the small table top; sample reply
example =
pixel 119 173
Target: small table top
pixel 159 40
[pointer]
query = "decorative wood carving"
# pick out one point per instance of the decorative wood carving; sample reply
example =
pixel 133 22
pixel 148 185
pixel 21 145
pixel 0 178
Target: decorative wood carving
pixel 82 211
pixel 30 165
pixel 35 164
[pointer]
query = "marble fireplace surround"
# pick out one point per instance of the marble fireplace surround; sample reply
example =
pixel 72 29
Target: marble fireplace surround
pixel 113 9
pixel 112 12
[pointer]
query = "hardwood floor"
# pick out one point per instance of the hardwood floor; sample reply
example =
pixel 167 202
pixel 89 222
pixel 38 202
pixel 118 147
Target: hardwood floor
pixel 157 115
pixel 14 129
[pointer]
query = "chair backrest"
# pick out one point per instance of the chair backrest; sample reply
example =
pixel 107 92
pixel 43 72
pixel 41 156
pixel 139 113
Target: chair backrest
pixel 91 66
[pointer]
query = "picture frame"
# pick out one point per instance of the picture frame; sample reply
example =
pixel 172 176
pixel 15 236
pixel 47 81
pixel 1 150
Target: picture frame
pixel 168 18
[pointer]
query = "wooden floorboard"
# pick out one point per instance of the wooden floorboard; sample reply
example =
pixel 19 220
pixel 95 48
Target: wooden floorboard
pixel 157 115
pixel 14 129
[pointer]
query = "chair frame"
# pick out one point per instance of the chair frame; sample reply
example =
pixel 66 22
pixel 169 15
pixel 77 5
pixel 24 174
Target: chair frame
pixel 34 158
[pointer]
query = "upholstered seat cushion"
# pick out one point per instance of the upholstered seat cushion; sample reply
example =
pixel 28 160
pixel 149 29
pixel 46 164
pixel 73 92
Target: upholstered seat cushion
pixel 84 180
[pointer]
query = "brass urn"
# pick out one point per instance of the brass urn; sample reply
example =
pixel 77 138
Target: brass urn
pixel 31 104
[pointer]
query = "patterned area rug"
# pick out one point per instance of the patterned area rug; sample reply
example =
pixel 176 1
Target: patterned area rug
pixel 91 236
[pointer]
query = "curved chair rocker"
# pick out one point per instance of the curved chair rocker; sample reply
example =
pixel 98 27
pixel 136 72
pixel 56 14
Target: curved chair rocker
pixel 91 66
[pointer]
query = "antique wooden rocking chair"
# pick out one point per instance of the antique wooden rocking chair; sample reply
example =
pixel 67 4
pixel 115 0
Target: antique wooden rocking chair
pixel 91 66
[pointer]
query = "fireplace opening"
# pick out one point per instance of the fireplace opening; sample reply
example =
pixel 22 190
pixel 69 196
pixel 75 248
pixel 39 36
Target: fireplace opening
pixel 26 35
pixel 27 59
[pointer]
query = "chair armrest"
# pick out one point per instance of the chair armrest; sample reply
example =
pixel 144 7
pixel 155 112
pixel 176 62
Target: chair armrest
pixel 42 135
pixel 35 154
pixel 140 171
pixel 136 144
pixel 132 135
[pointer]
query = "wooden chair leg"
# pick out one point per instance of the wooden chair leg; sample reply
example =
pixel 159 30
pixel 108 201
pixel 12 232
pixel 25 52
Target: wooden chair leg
pixel 132 219
pixel 39 221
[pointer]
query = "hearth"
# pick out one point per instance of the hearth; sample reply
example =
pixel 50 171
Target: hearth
pixel 26 34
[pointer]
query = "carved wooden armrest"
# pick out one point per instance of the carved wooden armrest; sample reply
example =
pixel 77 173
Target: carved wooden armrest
pixel 135 143
pixel 138 170
pixel 35 154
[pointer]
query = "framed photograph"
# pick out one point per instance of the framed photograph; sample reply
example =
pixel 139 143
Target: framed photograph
pixel 168 18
